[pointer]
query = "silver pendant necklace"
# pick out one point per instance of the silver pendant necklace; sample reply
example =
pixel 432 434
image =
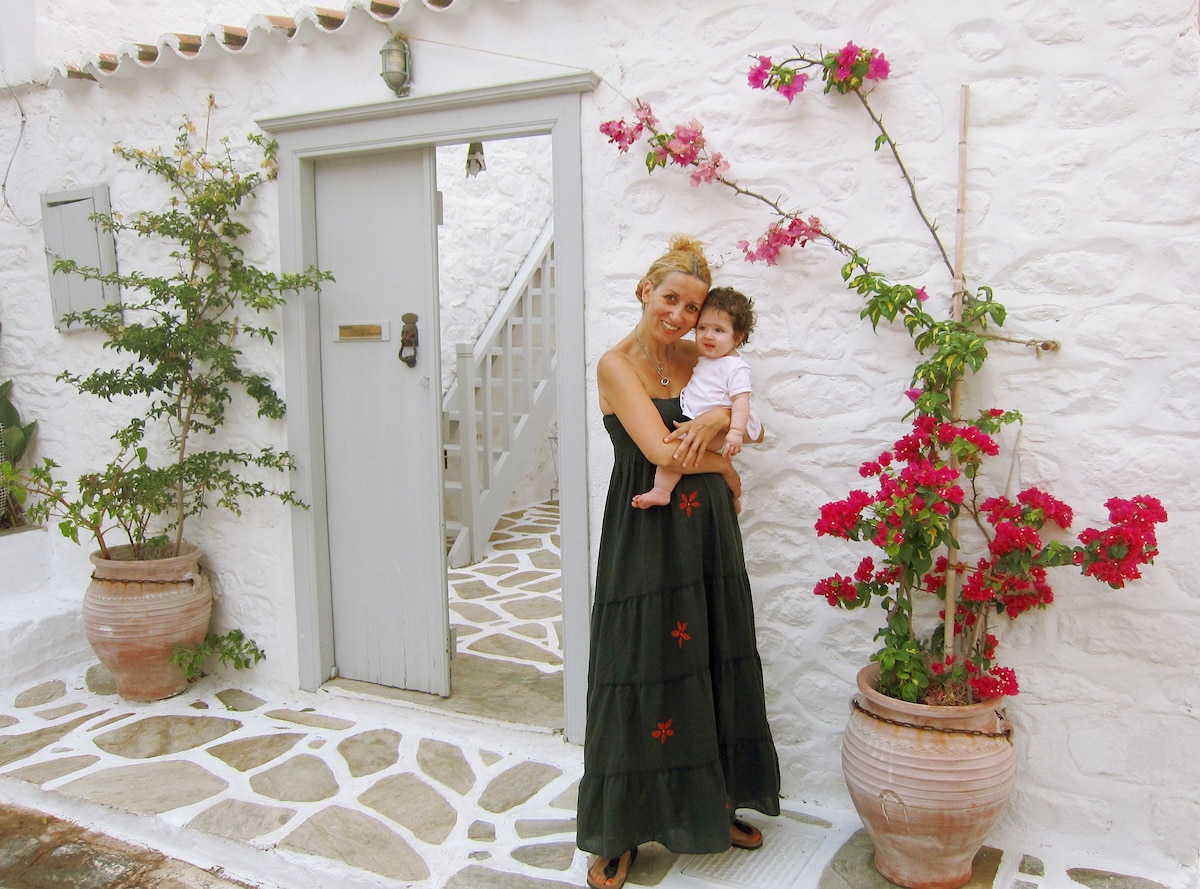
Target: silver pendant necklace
pixel 663 378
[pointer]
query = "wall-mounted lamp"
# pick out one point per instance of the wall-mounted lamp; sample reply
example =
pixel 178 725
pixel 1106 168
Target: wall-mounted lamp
pixel 475 161
pixel 397 64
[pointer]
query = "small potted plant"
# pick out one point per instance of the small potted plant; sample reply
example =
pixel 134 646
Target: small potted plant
pixel 178 336
pixel 927 757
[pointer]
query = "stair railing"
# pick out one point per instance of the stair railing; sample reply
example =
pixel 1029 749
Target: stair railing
pixel 503 399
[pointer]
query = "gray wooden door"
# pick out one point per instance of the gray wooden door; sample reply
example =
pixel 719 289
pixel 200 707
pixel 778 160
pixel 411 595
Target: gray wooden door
pixel 376 232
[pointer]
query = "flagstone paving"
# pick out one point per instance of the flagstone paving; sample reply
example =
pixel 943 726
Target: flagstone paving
pixel 333 790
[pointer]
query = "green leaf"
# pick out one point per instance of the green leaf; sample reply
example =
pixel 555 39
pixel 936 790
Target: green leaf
pixel 13 440
pixel 8 413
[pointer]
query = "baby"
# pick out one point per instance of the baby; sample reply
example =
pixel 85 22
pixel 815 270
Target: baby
pixel 721 379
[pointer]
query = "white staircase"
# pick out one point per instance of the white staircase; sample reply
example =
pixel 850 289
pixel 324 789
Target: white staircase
pixel 500 405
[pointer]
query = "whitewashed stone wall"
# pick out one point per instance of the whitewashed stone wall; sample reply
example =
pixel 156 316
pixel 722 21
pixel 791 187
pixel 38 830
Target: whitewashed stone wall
pixel 1082 214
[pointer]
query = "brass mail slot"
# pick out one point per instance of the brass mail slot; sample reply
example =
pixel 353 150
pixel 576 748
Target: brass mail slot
pixel 373 331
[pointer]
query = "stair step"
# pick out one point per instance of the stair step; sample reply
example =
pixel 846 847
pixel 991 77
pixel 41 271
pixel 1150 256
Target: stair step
pixel 454 451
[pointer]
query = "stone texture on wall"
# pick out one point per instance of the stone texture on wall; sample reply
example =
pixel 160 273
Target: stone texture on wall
pixel 1083 212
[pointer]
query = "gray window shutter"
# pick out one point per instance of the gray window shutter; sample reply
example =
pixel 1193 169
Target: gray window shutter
pixel 71 233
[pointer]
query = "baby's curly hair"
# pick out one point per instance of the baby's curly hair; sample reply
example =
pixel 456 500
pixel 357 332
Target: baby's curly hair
pixel 738 306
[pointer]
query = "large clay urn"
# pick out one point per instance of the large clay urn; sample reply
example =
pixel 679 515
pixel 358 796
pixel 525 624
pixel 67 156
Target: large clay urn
pixel 929 782
pixel 137 612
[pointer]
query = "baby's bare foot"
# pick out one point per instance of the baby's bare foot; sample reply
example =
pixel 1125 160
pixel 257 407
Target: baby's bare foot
pixel 653 497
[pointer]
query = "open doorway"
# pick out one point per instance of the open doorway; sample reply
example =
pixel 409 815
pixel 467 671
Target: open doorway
pixel 505 592
pixel 496 295
pixel 508 110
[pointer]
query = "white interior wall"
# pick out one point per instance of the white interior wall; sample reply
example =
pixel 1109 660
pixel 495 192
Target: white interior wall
pixel 489 223
pixel 1082 213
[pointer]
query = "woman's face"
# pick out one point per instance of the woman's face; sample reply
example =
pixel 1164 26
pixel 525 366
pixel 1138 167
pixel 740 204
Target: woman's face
pixel 672 308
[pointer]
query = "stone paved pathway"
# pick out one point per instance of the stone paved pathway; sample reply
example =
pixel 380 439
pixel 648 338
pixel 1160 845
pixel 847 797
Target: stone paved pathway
pixel 508 607
pixel 307 791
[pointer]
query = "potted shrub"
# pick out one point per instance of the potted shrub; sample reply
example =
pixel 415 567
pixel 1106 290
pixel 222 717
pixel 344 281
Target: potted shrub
pixel 177 336
pixel 927 756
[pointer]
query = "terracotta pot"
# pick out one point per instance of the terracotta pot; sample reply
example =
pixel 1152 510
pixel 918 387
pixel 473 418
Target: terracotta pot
pixel 136 613
pixel 928 782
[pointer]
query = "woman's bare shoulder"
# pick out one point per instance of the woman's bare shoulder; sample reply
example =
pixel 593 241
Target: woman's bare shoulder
pixel 615 361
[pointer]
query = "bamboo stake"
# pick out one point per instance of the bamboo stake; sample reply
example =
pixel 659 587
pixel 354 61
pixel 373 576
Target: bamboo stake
pixel 960 225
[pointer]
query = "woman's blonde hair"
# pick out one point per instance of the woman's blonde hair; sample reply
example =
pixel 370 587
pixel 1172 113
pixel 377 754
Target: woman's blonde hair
pixel 685 255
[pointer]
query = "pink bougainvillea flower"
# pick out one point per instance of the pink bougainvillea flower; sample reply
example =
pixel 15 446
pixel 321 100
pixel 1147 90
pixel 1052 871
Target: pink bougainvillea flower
pixel 878 67
pixel 865 569
pixel 686 142
pixel 846 59
pixel 620 133
pixel 995 683
pixel 921 294
pixel 645 116
pixel 913 394
pixel 841 518
pixel 797 232
pixel 760 74
pixel 710 170
pixel 837 589
pixel 791 86
pixel 1052 509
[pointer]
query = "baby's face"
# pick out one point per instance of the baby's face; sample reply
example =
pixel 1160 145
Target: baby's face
pixel 714 333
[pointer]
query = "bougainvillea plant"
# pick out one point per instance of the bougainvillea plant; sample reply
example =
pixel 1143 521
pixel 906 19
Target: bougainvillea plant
pixel 932 475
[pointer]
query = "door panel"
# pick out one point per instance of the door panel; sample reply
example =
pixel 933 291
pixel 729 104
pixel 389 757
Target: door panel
pixel 382 436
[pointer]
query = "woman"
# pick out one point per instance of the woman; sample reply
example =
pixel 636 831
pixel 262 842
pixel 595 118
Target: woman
pixel 677 735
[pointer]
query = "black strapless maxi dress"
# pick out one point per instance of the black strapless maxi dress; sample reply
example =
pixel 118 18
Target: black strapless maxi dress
pixel 677 733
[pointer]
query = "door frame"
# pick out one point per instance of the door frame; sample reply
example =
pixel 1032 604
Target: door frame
pixel 549 106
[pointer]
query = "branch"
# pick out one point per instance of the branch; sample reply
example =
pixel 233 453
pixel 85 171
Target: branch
pixel 912 188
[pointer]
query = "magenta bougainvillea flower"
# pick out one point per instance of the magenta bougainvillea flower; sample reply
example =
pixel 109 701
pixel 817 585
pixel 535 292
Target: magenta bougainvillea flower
pixel 921 482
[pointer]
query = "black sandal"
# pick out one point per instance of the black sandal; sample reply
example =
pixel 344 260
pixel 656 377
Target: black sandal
pixel 610 871
pixel 754 837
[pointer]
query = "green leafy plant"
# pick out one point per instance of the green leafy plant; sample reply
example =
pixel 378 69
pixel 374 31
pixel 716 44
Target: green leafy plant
pixel 178 337
pixel 232 649
pixel 15 438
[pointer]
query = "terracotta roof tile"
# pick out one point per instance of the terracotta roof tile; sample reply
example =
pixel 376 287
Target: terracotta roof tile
pixel 283 22
pixel 188 44
pixel 231 38
pixel 234 38
pixel 330 18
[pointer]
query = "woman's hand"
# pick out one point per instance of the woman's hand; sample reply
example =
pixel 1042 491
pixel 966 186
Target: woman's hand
pixel 694 435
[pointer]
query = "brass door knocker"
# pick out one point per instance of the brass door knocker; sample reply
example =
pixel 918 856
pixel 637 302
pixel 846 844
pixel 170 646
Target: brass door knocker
pixel 408 339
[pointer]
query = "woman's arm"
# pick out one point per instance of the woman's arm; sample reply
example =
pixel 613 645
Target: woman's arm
pixel 621 392
pixel 693 436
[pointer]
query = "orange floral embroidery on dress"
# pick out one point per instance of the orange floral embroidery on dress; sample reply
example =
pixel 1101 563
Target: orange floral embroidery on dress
pixel 664 731
pixel 680 632
pixel 688 502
